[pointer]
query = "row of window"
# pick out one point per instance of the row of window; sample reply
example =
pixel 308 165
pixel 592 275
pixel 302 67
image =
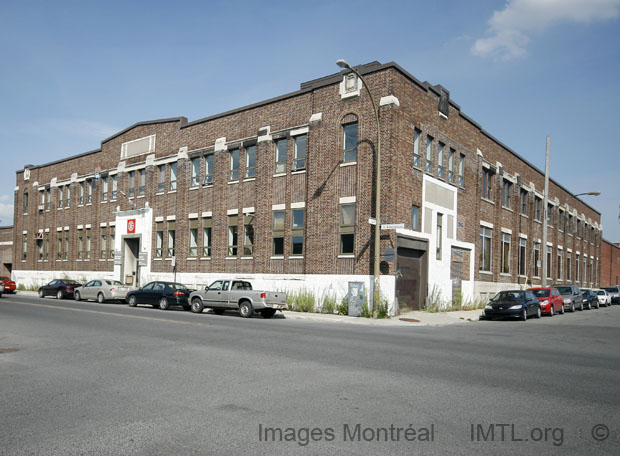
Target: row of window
pixel 84 244
pixel 561 273
pixel 455 169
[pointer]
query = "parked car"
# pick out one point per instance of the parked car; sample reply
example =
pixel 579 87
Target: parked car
pixel 8 285
pixel 572 297
pixel 160 294
pixel 61 288
pixel 513 303
pixel 603 297
pixel 614 292
pixel 550 300
pixel 590 299
pixel 224 295
pixel 103 290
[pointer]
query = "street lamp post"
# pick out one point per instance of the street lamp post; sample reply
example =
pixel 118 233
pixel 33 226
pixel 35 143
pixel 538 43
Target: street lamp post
pixel 377 242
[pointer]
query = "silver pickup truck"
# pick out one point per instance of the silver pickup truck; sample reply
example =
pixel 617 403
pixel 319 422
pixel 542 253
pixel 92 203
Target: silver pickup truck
pixel 224 295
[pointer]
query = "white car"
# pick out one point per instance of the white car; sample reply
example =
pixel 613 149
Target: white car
pixel 103 290
pixel 604 298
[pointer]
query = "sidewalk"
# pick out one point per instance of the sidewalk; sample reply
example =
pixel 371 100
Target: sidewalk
pixel 414 318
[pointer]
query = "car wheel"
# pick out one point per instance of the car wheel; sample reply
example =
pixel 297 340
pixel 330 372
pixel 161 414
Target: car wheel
pixel 572 307
pixel 164 304
pixel 197 306
pixel 538 313
pixel 245 309
pixel 598 305
pixel 581 307
pixel 76 296
pixel 41 294
pixel 551 310
pixel 524 315
pixel 100 298
pixel 59 294
pixel 562 309
pixel 268 313
pixel 132 301
pixel 219 311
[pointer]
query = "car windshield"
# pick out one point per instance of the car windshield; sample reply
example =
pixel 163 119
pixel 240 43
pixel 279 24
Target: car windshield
pixel 508 296
pixel 541 293
pixel 113 282
pixel 565 290
pixel 600 292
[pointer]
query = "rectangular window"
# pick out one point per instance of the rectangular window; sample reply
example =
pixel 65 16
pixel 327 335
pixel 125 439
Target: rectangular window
pixel 104 188
pixel 297 232
pixel 40 249
pixel 159 239
pixel 537 259
pixel 278 233
pixel 80 252
pixel 584 276
pixel 415 218
pixel 46 248
pixel 66 250
pixel 559 272
pixel 429 153
pixel 89 191
pixel 114 187
pixel 48 196
pixel 193 238
pixel 161 178
pixel 488 176
pixel 206 237
pixel 111 243
pixel 24 246
pixel 301 145
pixel 506 239
pixel 451 165
pixel 561 220
pixel 195 171
pixel 461 170
pixel 81 193
pixel 416 147
pixel 103 245
pixel 173 176
pixel 131 191
pixel 248 235
pixel 485 248
pixel 141 182
pixel 281 146
pixel 25 203
pixel 59 253
pixel 538 209
pixel 171 238
pixel 61 198
pixel 569 228
pixel 250 161
pixel 522 257
pixel 88 244
pixel 523 195
pixel 67 196
pixel 440 159
pixel 234 165
pixel 550 210
pixel 232 235
pixel 439 236
pixel 549 261
pixel 577 268
pixel 349 143
pixel 569 277
pixel 347 228
pixel 208 170
pixel 506 194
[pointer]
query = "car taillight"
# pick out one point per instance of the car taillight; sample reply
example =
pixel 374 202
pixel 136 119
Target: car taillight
pixel 69 288
pixel 179 293
pixel 262 295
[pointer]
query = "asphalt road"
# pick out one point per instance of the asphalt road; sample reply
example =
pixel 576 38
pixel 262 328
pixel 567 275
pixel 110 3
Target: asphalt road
pixel 88 378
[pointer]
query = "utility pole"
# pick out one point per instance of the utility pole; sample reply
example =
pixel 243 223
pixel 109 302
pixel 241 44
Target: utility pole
pixel 545 215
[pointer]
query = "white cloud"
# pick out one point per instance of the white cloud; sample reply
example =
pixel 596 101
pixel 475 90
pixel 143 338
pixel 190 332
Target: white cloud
pixel 6 210
pixel 509 28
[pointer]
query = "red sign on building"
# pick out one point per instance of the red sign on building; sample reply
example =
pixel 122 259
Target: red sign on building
pixel 131 226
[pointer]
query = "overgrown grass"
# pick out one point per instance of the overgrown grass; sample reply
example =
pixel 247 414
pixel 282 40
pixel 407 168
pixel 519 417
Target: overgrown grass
pixel 343 307
pixel 434 302
pixel 329 304
pixel 301 301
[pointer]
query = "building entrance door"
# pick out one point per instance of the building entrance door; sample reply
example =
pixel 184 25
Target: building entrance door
pixel 130 272
pixel 412 283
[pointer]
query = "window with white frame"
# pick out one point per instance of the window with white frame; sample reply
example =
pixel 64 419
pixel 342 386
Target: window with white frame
pixel 297 232
pixel 206 237
pixel 278 233
pixel 537 261
pixel 235 165
pixel 451 165
pixel 549 261
pixel 486 235
pixel 193 238
pixel 195 171
pixel 141 182
pixel 461 170
pixel 114 187
pixel 505 265
pixel 301 145
pixel 250 161
pixel 429 153
pixel 416 147
pixel 440 148
pixel 522 256
pixel 208 180
pixel 173 176
pixel 232 235
pixel 507 194
pixel 104 188
pixel 171 238
pixel 347 228
pixel 281 152
pixel 131 190
pixel 349 143
pixel 161 178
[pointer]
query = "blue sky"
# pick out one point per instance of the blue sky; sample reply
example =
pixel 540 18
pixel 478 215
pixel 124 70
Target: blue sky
pixel 76 72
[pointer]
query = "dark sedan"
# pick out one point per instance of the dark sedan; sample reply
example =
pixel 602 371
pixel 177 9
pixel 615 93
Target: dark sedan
pixel 160 294
pixel 61 288
pixel 590 299
pixel 513 303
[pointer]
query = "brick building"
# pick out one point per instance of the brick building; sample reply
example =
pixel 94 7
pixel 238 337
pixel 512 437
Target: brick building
pixel 6 250
pixel 281 192
pixel 610 263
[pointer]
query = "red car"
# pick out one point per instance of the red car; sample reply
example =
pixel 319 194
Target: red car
pixel 8 285
pixel 550 299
